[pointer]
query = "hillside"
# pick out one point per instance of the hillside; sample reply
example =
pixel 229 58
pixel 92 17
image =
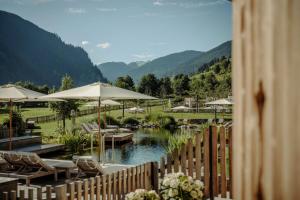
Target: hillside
pixel 30 53
pixel 113 70
pixel 185 62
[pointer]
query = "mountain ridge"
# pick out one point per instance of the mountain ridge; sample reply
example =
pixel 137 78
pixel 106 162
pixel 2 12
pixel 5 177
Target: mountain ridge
pixel 43 56
pixel 185 62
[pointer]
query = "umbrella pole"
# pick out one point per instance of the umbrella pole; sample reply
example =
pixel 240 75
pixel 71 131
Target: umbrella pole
pixel 10 124
pixel 104 117
pixel 99 132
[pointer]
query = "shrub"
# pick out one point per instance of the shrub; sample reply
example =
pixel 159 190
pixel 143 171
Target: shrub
pixel 112 121
pixel 168 122
pixel 142 194
pixel 131 121
pixel 17 121
pixel 74 141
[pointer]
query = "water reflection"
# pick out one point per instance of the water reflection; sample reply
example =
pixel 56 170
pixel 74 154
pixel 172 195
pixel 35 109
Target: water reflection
pixel 147 145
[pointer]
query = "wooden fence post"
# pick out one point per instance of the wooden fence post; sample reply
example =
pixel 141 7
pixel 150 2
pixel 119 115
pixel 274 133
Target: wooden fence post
pixel 154 176
pixel 60 192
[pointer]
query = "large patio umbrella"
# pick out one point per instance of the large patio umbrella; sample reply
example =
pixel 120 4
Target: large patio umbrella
pixel 98 91
pixel 104 103
pixel 12 93
pixel 219 102
pixel 180 108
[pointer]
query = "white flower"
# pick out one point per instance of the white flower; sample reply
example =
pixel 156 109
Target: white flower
pixel 194 194
pixel 174 183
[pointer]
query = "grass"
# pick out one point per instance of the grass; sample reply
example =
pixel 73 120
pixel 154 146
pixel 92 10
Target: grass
pixel 50 130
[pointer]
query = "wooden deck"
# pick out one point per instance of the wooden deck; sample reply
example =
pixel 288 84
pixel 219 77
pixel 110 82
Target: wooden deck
pixel 42 148
pixel 120 137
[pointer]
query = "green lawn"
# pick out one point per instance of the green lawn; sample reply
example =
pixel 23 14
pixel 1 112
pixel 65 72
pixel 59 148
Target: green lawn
pixel 49 130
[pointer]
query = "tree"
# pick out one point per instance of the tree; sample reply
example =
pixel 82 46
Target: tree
pixel 181 84
pixel 165 86
pixel 149 85
pixel 64 108
pixel 125 82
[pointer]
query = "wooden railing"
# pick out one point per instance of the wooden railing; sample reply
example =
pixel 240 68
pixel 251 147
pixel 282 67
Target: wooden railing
pixel 207 157
pixel 110 186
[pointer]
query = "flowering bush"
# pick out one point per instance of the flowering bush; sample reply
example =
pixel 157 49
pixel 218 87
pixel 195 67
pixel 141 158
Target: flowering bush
pixel 178 186
pixel 141 194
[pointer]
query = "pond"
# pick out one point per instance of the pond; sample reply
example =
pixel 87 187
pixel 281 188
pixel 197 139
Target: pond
pixel 147 145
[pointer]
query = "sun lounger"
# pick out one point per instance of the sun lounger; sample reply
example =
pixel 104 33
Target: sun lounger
pixel 32 166
pixel 88 166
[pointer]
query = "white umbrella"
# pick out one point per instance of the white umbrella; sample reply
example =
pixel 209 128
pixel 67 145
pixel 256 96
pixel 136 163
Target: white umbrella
pixel 219 102
pixel 107 102
pixel 135 109
pixel 181 108
pixel 13 93
pixel 98 91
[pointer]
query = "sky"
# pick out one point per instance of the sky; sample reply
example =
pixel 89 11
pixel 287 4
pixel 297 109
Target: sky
pixel 130 30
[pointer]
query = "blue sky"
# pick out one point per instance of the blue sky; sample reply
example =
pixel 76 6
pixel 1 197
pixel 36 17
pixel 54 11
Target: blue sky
pixel 130 30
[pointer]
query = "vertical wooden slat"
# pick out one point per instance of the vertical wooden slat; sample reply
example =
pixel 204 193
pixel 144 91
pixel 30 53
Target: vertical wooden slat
pixel 60 192
pixel 214 154
pixel 129 189
pixel 183 158
pixel 133 178
pixel 206 162
pixel 162 167
pixel 71 190
pixel 223 161
pixel 22 195
pixel 190 157
pixel 79 189
pixel 92 188
pixel 98 187
pixel 103 187
pixel 30 194
pixel 5 195
pixel 176 160
pixel 85 189
pixel 230 160
pixel 120 194
pixel 108 178
pixel 48 192
pixel 138 185
pixel 125 181
pixel 169 163
pixel 154 176
pixel 13 195
pixel 142 176
pixel 114 186
pixel 39 193
pixel 198 156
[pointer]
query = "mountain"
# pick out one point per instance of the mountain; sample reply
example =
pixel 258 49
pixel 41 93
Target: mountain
pixel 113 70
pixel 185 62
pixel 30 53
pixel 164 65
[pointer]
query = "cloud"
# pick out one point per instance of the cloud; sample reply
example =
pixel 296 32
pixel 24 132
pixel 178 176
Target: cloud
pixel 202 4
pixel 158 44
pixel 142 56
pixel 84 42
pixel 107 9
pixel 104 45
pixel 76 10
pixel 149 14
pixel 157 3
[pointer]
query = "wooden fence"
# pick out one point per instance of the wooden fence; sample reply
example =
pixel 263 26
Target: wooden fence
pixel 110 186
pixel 207 158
